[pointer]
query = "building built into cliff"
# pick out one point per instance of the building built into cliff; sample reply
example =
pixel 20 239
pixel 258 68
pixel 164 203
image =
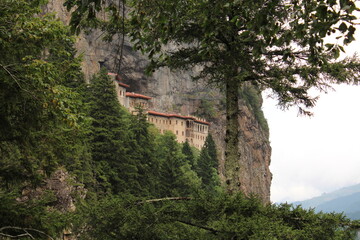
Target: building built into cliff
pixel 186 128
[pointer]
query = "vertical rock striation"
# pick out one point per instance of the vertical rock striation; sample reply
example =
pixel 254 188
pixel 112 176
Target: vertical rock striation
pixel 176 92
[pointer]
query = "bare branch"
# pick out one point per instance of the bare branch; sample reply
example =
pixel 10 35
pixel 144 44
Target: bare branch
pixel 17 80
pixel 24 234
pixel 165 199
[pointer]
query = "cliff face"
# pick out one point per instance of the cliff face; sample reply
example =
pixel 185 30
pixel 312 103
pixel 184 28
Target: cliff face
pixel 176 92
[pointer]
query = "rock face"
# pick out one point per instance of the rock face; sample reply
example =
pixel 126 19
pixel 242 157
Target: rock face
pixel 63 188
pixel 177 93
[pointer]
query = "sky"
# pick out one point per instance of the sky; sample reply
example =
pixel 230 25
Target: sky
pixel 320 154
pixel 315 155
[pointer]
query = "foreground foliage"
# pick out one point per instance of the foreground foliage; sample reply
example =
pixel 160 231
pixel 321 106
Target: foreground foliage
pixel 209 216
pixel 140 184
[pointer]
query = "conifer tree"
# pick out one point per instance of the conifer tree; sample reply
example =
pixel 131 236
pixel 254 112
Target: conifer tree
pixel 175 175
pixel 109 135
pixel 189 154
pixel 141 151
pixel 208 164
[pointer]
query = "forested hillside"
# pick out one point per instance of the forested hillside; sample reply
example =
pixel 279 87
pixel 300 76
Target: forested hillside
pixel 75 164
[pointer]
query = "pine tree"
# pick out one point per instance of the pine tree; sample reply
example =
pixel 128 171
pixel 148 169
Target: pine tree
pixel 141 151
pixel 208 164
pixel 109 137
pixel 189 154
pixel 175 175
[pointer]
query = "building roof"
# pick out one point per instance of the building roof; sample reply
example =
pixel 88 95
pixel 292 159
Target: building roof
pixel 123 84
pixel 136 95
pixel 177 116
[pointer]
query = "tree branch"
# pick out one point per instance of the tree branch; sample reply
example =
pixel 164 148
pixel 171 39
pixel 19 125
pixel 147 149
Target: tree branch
pixel 212 230
pixel 24 234
pixel 16 80
pixel 165 199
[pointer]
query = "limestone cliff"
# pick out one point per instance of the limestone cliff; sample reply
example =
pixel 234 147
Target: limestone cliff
pixel 176 92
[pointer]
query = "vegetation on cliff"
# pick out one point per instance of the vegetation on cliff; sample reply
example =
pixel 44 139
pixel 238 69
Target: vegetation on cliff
pixel 271 44
pixel 140 184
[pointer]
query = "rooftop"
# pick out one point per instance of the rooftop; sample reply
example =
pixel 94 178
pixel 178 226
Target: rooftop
pixel 136 95
pixel 178 116
pixel 123 84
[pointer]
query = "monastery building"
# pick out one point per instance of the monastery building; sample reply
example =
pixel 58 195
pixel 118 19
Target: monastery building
pixel 186 128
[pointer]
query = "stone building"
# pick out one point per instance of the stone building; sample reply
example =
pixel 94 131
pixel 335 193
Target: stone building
pixel 120 89
pixel 189 128
pixel 186 128
pixel 137 101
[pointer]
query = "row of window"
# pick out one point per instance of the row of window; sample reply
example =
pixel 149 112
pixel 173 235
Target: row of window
pixel 164 121
pixel 200 137
pixel 138 104
pixel 201 128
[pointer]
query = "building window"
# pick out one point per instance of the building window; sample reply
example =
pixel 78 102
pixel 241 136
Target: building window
pixel 170 122
pixel 176 122
pixel 177 132
pixel 183 133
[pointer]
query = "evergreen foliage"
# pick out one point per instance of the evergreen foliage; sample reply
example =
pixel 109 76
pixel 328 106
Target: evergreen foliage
pixel 209 216
pixel 207 165
pixel 252 96
pixel 50 119
pixel 142 144
pixel 189 154
pixel 109 138
pixel 175 175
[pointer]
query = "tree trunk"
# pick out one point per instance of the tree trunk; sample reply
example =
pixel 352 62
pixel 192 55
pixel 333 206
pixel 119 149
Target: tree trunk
pixel 232 155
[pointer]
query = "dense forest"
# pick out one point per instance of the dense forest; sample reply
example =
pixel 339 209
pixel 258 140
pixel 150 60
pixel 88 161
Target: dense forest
pixel 128 180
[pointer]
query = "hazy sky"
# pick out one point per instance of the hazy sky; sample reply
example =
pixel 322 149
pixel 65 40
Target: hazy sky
pixel 314 155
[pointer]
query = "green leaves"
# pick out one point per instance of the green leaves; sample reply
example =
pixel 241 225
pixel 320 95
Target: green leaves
pixel 343 27
pixel 208 216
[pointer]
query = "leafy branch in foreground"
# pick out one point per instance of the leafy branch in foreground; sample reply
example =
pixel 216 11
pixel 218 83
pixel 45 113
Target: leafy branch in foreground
pixel 209 216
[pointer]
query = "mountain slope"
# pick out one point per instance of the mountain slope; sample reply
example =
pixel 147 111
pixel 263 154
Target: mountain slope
pixel 346 200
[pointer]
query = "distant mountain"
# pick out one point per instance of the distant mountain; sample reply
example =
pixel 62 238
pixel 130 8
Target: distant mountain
pixel 346 200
